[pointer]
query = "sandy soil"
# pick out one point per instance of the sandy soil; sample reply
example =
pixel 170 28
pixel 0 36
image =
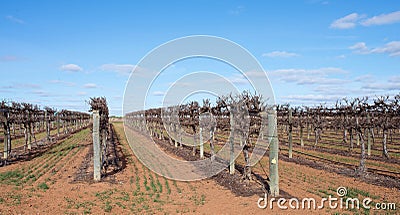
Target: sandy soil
pixel 53 184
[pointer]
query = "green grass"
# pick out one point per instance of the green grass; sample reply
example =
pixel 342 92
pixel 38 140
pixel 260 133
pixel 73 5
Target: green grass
pixel 11 177
pixel 43 163
pixel 157 198
pixel 124 196
pixel 176 186
pixel 145 184
pixel 198 200
pixel 152 184
pixel 120 205
pixel 104 195
pixel 348 160
pixel 167 186
pixel 107 207
pixel 43 186
pixel 20 141
pixel 16 199
pixel 137 190
pixel 159 185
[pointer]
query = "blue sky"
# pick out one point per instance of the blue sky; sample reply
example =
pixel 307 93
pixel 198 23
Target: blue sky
pixel 60 53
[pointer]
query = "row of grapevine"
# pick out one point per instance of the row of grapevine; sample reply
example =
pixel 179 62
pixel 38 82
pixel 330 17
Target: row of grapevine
pixel 25 120
pixel 104 151
pixel 359 120
pixel 243 116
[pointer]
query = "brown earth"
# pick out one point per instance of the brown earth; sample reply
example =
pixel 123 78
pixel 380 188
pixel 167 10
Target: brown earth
pixel 58 182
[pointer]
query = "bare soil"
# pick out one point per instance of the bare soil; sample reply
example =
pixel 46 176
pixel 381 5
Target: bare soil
pixel 59 181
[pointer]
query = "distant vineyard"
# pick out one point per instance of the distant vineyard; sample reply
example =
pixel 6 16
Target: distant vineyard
pixel 358 121
pixel 334 130
pixel 24 123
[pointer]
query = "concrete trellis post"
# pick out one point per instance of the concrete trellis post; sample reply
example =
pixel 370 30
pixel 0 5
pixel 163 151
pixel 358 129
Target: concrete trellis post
pixel 29 132
pixel 231 144
pixel 175 137
pixel 201 143
pixel 5 152
pixel 47 125
pixel 194 144
pixel 45 122
pixel 301 133
pixel 290 133
pixel 273 153
pixel 180 137
pixel 96 146
pixel 58 124
pixel 212 144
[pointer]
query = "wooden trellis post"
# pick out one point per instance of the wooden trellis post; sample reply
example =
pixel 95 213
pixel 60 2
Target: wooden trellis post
pixel 7 137
pixel 273 153
pixel 369 135
pixel 96 146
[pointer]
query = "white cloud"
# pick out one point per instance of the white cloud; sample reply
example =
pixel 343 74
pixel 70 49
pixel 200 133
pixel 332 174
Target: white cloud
pixel 280 54
pixel 66 83
pixel 391 48
pixel 42 93
pixel 71 68
pixel 90 85
pixel 255 73
pixel 309 76
pixel 394 79
pixel 180 84
pixel 9 58
pixel 311 97
pixel 383 19
pixel 360 48
pixel 122 69
pixel 158 93
pixel 81 93
pixel 382 86
pixel 353 19
pixel 238 80
pixel 238 10
pixel 22 86
pixel 392 84
pixel 365 78
pixel 346 22
pixel 14 19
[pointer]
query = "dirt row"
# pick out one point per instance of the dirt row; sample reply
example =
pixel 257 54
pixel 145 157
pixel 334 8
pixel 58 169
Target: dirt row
pixel 55 189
